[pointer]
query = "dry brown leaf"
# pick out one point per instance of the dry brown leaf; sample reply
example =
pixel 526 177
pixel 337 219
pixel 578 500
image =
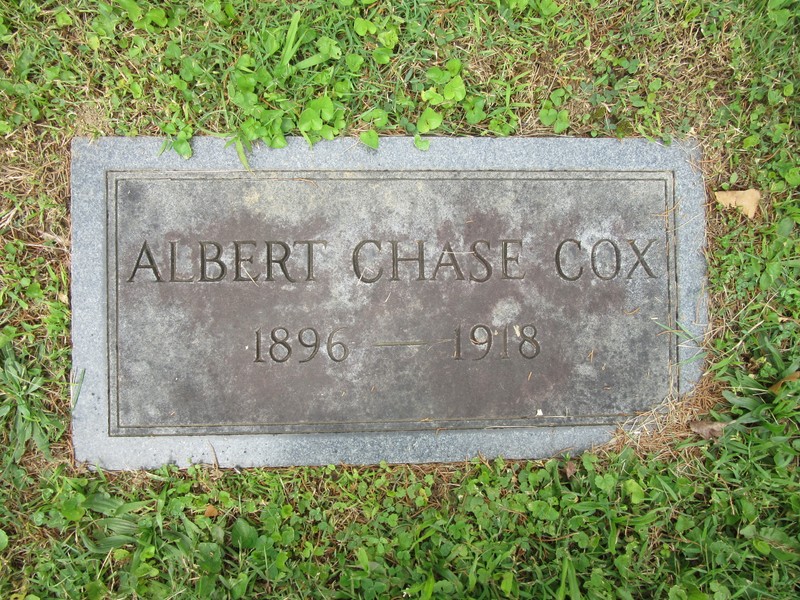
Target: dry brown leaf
pixel 570 469
pixel 708 430
pixel 776 387
pixel 746 201
pixel 211 511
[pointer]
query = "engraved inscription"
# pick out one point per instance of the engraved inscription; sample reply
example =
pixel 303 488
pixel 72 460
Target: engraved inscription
pixel 237 260
pixel 410 260
pixel 280 348
pixel 481 337
pixel 605 259
pixel 406 261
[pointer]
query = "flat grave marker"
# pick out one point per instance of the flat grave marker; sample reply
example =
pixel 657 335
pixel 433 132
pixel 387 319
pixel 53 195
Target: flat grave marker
pixel 514 297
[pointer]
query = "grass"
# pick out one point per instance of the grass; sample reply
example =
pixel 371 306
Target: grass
pixel 668 515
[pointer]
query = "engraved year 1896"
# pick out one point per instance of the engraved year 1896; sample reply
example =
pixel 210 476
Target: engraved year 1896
pixel 279 346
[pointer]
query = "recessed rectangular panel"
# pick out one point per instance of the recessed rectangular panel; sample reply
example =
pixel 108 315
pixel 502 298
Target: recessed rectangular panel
pixel 274 302
pixel 325 308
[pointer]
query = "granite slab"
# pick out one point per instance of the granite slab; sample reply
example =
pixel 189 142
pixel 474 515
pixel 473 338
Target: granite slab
pixel 335 304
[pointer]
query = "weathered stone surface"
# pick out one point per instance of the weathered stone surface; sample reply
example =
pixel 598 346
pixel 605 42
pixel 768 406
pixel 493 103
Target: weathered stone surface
pixel 504 297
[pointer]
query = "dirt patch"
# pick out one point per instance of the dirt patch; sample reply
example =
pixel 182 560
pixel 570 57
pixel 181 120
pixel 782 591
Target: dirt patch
pixel 92 119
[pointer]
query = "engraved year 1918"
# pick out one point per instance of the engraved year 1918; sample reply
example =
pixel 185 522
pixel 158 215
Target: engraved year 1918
pixel 481 336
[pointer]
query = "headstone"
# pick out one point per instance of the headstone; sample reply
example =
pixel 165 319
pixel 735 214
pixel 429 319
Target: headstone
pixel 336 304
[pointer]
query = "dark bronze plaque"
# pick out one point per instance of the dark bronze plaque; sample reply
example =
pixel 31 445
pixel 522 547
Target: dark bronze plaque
pixel 334 301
